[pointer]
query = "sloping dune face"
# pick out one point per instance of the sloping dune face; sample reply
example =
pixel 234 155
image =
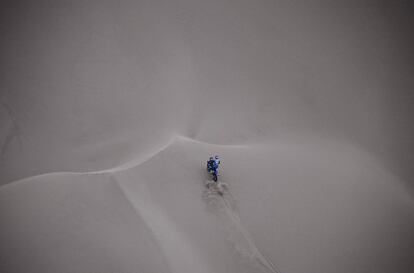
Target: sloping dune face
pixel 91 85
pixel 110 109
pixel 286 212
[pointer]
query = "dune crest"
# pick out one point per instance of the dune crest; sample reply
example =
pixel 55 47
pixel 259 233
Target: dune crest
pixel 109 111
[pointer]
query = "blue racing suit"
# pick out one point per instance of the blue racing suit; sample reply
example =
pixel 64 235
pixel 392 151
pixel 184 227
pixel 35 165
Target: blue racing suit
pixel 212 166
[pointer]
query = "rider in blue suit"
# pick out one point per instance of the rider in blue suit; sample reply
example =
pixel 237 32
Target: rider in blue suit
pixel 212 166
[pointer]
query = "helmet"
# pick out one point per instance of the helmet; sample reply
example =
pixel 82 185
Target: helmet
pixel 211 158
pixel 216 157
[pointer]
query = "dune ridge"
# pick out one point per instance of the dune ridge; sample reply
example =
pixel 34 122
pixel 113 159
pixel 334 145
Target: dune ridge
pixel 110 109
pixel 164 204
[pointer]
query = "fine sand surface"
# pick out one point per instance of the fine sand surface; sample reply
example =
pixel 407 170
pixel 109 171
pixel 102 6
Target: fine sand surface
pixel 109 111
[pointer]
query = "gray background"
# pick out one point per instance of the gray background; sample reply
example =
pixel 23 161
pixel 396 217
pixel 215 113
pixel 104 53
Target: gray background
pixel 79 77
pixel 109 110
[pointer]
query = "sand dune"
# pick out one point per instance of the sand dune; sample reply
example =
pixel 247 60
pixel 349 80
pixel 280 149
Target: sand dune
pixel 110 109
pixel 157 215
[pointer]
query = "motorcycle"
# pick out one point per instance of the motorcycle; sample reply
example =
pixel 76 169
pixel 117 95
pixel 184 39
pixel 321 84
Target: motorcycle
pixel 214 174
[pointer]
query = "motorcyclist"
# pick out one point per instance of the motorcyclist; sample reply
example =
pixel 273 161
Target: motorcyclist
pixel 213 165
